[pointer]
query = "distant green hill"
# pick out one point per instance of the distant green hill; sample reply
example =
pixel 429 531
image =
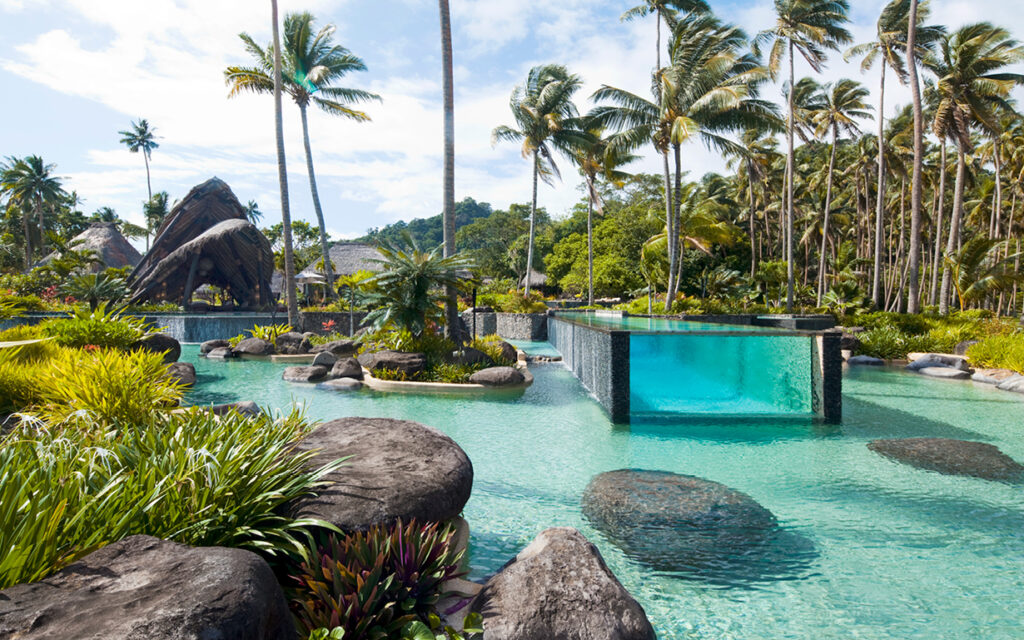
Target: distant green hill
pixel 427 232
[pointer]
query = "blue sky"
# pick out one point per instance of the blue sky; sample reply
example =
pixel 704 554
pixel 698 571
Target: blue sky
pixel 75 72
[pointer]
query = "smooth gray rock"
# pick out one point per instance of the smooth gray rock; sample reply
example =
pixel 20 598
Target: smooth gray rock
pixel 340 348
pixel 850 340
pixel 962 347
pixel 397 469
pixel 944 372
pixel 498 377
pixel 160 343
pixel 292 343
pixel 407 363
pixel 939 360
pixel 324 359
pixel 145 588
pixel 560 587
pixel 992 376
pixel 245 408
pixel 342 384
pixel 222 353
pixel 508 352
pixel 210 345
pixel 865 360
pixel 254 347
pixel 951 457
pixel 184 372
pixel 304 374
pixel 469 355
pixel 1014 383
pixel 347 368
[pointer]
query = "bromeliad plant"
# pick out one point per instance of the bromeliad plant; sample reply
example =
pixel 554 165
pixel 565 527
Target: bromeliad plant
pixel 373 584
pixel 270 333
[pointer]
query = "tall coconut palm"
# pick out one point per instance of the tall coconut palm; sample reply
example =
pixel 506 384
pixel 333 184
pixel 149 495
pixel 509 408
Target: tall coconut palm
pixel 544 113
pixel 30 182
pixel 154 213
pixel 282 175
pixel 972 89
pixel 889 47
pixel 755 153
pixel 843 104
pixel 448 217
pixel 141 138
pixel 662 9
pixel 312 65
pixel 811 28
pixel 597 158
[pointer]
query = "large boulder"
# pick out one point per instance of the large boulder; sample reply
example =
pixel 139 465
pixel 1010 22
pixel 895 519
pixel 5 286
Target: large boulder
pixel 221 353
pixel 142 587
pixel 304 374
pixel 340 348
pixel 850 340
pixel 397 469
pixel 469 355
pixel 292 343
pixel 183 372
pixel 408 363
pixel 325 359
pixel 920 361
pixel 347 368
pixel 508 352
pixel 210 345
pixel 951 457
pixel 559 587
pixel 498 377
pixel 160 343
pixel 254 347
pixel 674 522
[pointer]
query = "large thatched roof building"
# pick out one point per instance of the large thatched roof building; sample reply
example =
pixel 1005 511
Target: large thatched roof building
pixel 206 239
pixel 347 258
pixel 112 248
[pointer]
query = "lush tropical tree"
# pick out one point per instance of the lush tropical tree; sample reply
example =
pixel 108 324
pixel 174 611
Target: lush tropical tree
pixel 545 117
pixel 154 212
pixel 252 212
pixel 312 65
pixel 141 138
pixel 31 184
pixel 980 268
pixel 811 28
pixel 662 10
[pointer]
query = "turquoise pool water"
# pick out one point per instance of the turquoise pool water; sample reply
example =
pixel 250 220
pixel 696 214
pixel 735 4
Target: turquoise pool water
pixel 637 323
pixel 891 551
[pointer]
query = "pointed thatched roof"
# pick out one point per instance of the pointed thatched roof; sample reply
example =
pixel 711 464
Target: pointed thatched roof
pixel 206 239
pixel 537 279
pixel 349 257
pixel 104 238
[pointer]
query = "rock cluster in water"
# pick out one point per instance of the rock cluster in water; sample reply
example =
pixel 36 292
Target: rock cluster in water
pixel 951 457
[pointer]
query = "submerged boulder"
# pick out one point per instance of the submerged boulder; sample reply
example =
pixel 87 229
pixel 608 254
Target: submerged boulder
pixel 292 343
pixel 865 360
pixel 342 384
pixel 347 368
pixel 160 343
pixel 254 347
pixel 305 374
pixel 951 457
pixel 498 377
pixel 560 587
pixel 397 469
pixel 407 363
pixel 142 587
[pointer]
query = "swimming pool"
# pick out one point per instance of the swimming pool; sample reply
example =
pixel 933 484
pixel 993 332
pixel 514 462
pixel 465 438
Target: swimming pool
pixel 894 552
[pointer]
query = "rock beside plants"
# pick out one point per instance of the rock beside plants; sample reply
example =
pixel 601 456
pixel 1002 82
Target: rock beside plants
pixel 508 352
pixel 143 587
pixel 339 348
pixel 347 368
pixel 951 457
pixel 406 363
pixel 245 408
pixel 560 587
pixel 183 372
pixel 992 376
pixel 498 377
pixel 305 374
pixel 254 347
pixel 925 360
pixel 221 353
pixel 325 359
pixel 292 343
pixel 397 469
pixel 1014 383
pixel 210 345
pixel 962 347
pixel 865 360
pixel 160 343
pixel 470 356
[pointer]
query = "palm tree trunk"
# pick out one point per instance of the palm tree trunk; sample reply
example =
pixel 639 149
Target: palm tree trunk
pixel 28 240
pixel 668 226
pixel 42 227
pixel 876 282
pixel 753 233
pixel 590 242
pixel 954 228
pixel 149 192
pixel 324 251
pixel 917 182
pixel 791 171
pixel 828 207
pixel 674 225
pixel 282 179
pixel 932 297
pixel 997 205
pixel 533 217
pixel 451 305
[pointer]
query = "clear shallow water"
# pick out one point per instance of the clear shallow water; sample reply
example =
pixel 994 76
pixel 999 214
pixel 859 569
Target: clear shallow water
pixel 637 323
pixel 897 552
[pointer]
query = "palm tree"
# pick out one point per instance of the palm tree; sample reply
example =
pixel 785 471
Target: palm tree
pixel 448 217
pixel 980 268
pixel 31 183
pixel 663 9
pixel 154 212
pixel 544 114
pixel 755 153
pixel 972 90
pixel 141 137
pixel 596 157
pixel 810 27
pixel 312 65
pixel 890 48
pixel 252 212
pixel 843 103
pixel 282 177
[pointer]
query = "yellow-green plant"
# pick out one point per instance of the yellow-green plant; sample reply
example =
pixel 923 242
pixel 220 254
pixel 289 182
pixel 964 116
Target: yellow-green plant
pixel 270 332
pixel 999 351
pixel 99 327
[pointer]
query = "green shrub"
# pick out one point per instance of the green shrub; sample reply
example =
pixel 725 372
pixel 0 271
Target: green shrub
pixel 28 353
pixel 491 345
pixel 513 302
pixel 99 327
pixel 373 584
pixel 454 373
pixel 192 477
pixel 999 352
pixel 18 388
pixel 12 306
pixel 945 337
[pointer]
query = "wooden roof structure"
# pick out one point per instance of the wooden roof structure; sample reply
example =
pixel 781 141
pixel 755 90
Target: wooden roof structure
pixel 106 240
pixel 206 239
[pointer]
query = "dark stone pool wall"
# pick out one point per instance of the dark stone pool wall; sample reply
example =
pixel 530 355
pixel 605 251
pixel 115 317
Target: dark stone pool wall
pixel 511 326
pixel 599 359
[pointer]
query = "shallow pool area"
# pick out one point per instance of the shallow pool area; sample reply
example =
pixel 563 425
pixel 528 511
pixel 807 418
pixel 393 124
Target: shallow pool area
pixel 883 550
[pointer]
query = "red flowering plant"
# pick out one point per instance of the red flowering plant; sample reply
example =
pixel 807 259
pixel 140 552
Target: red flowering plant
pixel 329 326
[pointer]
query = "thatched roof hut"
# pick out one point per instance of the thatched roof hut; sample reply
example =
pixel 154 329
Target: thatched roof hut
pixel 537 279
pixel 112 248
pixel 206 239
pixel 349 257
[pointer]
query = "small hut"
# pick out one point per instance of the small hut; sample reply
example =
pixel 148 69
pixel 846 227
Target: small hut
pixel 538 280
pixel 349 257
pixel 106 241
